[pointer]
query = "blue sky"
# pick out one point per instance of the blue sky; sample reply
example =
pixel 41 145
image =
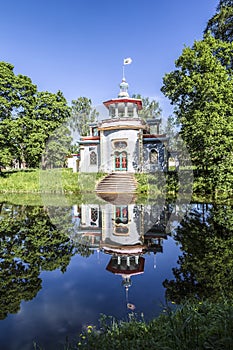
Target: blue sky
pixel 78 46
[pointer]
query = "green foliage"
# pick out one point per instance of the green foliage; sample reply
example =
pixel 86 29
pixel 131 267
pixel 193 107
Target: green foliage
pixel 57 148
pixel 29 243
pixel 204 268
pixel 17 93
pixel 82 115
pixel 17 100
pixel 221 24
pixel 142 183
pixel 19 181
pixel 87 181
pixel 150 184
pixel 27 118
pixel 201 88
pixel 50 117
pixel 150 108
pixel 35 199
pixel 159 183
pixel 194 326
pixel 52 181
pixel 29 181
pixel 172 182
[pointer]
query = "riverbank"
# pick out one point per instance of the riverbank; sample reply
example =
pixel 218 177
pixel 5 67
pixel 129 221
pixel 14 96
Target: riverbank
pixel 54 181
pixel 63 181
pixel 194 326
pixel 33 181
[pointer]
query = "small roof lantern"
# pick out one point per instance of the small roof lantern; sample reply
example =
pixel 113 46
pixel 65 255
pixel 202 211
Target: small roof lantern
pixel 123 89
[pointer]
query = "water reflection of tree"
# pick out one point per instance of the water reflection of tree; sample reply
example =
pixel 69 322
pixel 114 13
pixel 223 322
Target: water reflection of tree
pixel 29 243
pixel 205 268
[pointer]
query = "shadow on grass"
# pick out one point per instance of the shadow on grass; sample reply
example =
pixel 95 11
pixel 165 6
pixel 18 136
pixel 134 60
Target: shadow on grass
pixel 7 173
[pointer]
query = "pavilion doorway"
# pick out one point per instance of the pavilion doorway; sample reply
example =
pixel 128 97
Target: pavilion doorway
pixel 120 161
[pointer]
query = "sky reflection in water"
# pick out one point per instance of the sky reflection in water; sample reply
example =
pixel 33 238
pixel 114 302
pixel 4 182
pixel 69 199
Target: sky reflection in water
pixel 53 304
pixel 71 300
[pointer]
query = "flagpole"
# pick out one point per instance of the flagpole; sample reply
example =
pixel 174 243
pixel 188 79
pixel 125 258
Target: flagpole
pixel 126 61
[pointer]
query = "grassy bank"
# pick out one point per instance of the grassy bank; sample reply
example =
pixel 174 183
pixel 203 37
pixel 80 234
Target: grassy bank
pixel 55 181
pixel 193 326
pixel 158 183
pixel 182 184
pixel 64 181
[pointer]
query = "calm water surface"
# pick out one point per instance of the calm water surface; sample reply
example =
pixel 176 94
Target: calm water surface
pixel 61 267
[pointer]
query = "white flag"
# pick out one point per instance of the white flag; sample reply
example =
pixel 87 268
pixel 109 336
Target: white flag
pixel 127 60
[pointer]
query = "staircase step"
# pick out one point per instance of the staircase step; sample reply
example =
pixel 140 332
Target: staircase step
pixel 117 183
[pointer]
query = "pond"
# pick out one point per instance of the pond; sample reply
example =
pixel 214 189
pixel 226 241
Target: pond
pixel 62 266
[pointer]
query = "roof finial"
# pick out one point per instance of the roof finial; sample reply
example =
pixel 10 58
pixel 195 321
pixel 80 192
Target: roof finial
pixel 124 85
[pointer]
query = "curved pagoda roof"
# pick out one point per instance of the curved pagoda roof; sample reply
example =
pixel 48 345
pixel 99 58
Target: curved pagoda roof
pixel 136 101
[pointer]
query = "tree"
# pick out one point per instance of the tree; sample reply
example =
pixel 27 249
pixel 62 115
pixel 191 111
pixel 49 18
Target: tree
pixel 6 149
pixel 201 88
pixel 150 108
pixel 57 148
pixel 221 24
pixel 13 90
pixel 50 117
pixel 30 243
pixel 82 115
pixel 49 114
pixel 27 118
pixel 205 265
pixel 17 100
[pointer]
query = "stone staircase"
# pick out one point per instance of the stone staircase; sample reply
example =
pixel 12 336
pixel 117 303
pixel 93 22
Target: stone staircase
pixel 117 183
pixel 117 188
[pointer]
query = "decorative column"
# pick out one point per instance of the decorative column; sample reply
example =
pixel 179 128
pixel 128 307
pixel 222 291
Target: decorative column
pixel 126 109
pixel 135 111
pixel 116 110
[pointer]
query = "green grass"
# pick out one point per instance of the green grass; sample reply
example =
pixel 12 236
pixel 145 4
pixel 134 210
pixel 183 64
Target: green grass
pixel 38 199
pixel 55 181
pixel 151 184
pixel 64 181
pixel 19 181
pixel 193 326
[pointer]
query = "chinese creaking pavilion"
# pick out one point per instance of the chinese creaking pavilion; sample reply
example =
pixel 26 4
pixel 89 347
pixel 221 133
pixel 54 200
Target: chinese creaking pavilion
pixel 124 142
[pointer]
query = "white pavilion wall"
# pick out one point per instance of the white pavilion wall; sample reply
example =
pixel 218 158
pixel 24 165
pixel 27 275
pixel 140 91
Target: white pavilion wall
pixel 85 162
pixel 108 228
pixel 107 149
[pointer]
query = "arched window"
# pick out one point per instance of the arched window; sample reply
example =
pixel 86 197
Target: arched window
pixel 93 158
pixel 153 156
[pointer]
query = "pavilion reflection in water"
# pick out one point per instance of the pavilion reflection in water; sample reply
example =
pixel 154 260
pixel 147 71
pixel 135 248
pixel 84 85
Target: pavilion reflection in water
pixel 124 231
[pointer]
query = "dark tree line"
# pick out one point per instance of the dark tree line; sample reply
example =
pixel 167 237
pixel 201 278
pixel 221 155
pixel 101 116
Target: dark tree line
pixel 201 90
pixel 27 119
pixel 204 269
pixel 221 24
